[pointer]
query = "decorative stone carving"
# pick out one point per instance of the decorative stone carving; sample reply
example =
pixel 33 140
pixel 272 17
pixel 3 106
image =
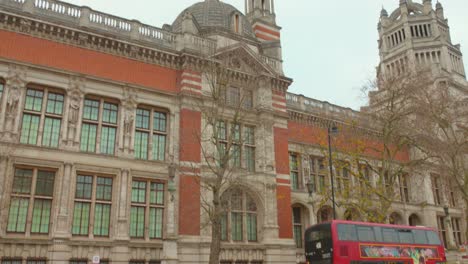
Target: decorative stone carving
pixel 75 95
pixel 15 83
pixel 129 104
pixel 25 25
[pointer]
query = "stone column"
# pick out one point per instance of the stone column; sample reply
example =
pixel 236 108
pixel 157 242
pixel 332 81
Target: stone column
pixel 122 217
pixel 66 184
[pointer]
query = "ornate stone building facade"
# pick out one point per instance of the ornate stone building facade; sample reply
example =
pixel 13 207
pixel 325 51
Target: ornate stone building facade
pixel 99 124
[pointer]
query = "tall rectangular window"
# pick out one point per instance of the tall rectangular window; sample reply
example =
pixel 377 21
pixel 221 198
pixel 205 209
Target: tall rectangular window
pixel 147 209
pixel 436 189
pixel 441 228
pixel 150 134
pixel 403 184
pixel 343 174
pixel 42 111
pixel 99 127
pixel 249 148
pixel 294 168
pixel 32 192
pixel 12 261
pixel 297 222
pixel 456 227
pixel 36 261
pixel 1 88
pixel 93 203
pixel 318 173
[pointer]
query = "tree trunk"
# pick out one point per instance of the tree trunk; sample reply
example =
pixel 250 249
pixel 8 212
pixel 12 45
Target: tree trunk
pixel 215 246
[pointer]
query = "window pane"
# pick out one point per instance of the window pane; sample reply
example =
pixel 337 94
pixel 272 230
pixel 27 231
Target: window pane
pixel 159 121
pixel 1 89
pixel 12 261
pixel 91 110
pixel 138 192
pixel 420 236
pixel 390 235
pixel 221 126
pixel 141 145
pixel 298 235
pixel 108 140
pixel 294 180
pixel 88 137
pixel 84 186
pixel 36 261
pixel 22 181
pixel 236 156
pixel 159 147
pixel 104 189
pixel 236 222
pixel 81 218
pixel 45 183
pixel 224 227
pixel 41 216
pixel 54 103
pixel 78 262
pixel 155 223
pixel 142 118
pixel 101 219
pixel 18 215
pixel 250 158
pixel 249 135
pixel 365 233
pixel 29 129
pixel 252 227
pixel 109 113
pixel 157 193
pixel 51 133
pixel 34 100
pixel 137 221
pixel 347 232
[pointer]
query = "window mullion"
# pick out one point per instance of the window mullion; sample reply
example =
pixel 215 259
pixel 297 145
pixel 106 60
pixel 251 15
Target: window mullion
pixel 147 210
pixel 31 203
pixel 99 126
pixel 92 208
pixel 42 118
pixel 151 133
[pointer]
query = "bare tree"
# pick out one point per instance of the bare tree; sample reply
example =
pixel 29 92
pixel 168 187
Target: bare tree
pixel 224 108
pixel 442 114
pixel 377 148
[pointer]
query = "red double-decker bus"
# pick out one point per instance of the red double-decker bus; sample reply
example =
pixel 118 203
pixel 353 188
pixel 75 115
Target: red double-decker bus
pixel 341 242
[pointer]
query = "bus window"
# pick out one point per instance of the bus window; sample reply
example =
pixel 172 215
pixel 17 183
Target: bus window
pixel 433 238
pixel 406 236
pixel 365 233
pixel 347 232
pixel 390 235
pixel 420 236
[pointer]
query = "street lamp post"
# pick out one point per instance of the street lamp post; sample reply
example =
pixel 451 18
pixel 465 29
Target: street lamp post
pixel 331 129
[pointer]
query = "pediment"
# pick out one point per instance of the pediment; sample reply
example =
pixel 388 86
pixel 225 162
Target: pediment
pixel 242 58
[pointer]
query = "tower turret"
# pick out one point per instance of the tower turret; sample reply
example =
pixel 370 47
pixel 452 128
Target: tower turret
pixel 416 35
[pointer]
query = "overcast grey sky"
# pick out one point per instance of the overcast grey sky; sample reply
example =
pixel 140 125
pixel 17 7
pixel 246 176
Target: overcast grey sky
pixel 329 47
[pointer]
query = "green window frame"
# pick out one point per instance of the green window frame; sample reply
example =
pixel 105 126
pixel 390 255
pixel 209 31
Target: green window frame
pixel 99 128
pixel 297 226
pixel 93 205
pixel 150 134
pixel 147 203
pixel 240 217
pixel 32 191
pixel 43 110
pixel 2 87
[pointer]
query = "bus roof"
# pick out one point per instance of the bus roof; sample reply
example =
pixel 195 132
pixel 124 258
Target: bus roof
pixel 379 224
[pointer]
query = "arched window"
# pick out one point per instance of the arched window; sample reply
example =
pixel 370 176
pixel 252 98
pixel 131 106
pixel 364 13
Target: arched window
pixel 236 23
pixel 352 214
pixel 325 214
pixel 395 219
pixel 239 223
pixel 300 220
pixel 414 220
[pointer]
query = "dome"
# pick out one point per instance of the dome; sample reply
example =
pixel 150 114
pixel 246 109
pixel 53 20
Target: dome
pixel 214 14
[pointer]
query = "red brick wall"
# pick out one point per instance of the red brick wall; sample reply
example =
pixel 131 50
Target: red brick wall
pixel 283 197
pixel 47 53
pixel 190 129
pixel 189 187
pixel 281 150
pixel 283 192
pixel 189 205
pixel 344 141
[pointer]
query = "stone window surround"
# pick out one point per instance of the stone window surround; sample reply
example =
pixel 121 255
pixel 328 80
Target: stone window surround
pixel 66 114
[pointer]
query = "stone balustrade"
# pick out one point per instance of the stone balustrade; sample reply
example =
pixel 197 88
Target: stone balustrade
pixel 277 65
pixel 305 104
pixel 82 16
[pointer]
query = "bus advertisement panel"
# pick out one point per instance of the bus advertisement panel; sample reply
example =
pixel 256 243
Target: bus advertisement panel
pixel 369 243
